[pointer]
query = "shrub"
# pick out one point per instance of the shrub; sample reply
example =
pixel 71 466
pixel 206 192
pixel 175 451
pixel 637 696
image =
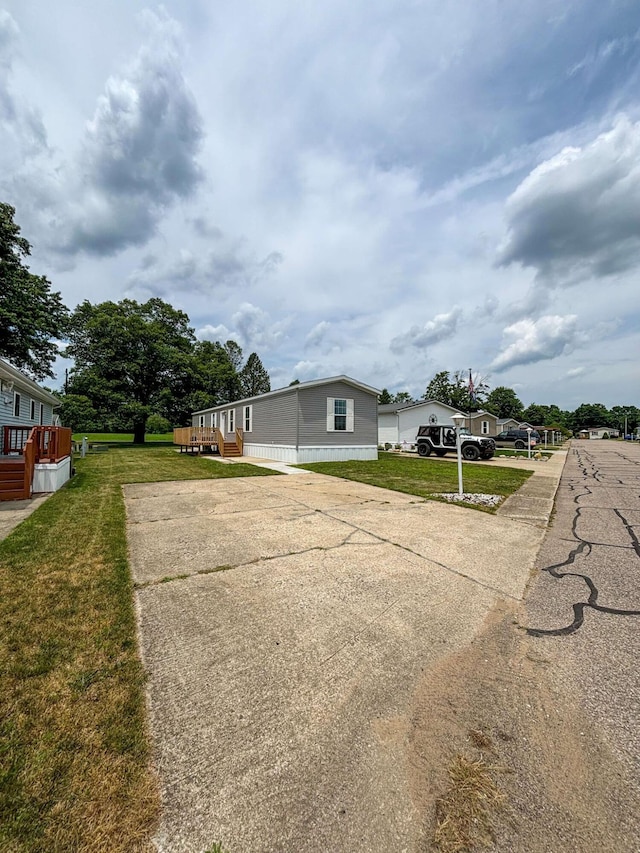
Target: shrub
pixel 157 425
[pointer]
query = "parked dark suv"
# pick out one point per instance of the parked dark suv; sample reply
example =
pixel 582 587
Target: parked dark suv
pixel 517 438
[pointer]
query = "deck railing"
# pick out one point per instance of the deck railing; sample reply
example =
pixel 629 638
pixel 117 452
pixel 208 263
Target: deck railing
pixel 51 444
pixel 195 436
pixel 203 436
pixel 29 455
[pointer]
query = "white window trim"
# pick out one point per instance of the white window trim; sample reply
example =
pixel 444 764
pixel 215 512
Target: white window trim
pixel 41 414
pixel 485 427
pixel 16 404
pixel 247 418
pixel 214 419
pixel 331 414
pixel 232 420
pixel 200 420
pixel 33 410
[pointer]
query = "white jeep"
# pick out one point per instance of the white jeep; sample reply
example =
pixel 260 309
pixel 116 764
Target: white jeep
pixel 442 439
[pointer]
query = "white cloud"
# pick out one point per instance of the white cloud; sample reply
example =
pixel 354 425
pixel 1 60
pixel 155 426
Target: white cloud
pixel 537 340
pixel 317 335
pixel 215 333
pixel 442 326
pixel 577 215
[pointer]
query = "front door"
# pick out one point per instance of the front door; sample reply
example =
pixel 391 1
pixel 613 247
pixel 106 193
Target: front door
pixel 223 424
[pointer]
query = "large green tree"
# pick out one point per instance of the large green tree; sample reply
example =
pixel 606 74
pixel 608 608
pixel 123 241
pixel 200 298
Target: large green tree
pixel 453 389
pixel 254 379
pixel 32 316
pixel 628 416
pixel 402 397
pixel 127 355
pixel 589 415
pixel 384 397
pixel 504 403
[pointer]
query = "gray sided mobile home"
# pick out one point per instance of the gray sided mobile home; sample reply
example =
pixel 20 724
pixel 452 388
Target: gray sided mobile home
pixel 322 420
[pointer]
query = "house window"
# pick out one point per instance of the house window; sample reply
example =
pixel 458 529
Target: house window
pixel 33 410
pixel 213 419
pixel 16 404
pixel 201 420
pixel 339 414
pixel 248 415
pixel 485 427
pixel 232 420
pixel 41 413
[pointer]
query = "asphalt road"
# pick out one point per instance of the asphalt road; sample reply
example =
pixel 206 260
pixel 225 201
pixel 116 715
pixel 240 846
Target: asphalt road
pixel 583 610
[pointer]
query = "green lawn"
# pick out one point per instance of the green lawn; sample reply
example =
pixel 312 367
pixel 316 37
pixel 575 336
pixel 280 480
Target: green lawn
pixel 120 437
pixel 426 477
pixel 74 754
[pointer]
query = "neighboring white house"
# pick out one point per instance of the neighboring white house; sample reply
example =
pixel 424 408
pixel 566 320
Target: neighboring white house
pixel 398 422
pixel 599 432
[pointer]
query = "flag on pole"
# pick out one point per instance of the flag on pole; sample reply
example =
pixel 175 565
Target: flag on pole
pixel 472 390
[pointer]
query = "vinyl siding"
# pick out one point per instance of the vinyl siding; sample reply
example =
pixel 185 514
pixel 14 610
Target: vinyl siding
pixel 7 418
pixel 273 419
pixel 313 416
pixel 298 417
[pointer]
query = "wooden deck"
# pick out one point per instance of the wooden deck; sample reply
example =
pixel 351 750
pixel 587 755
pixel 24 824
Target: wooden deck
pixel 24 447
pixel 208 440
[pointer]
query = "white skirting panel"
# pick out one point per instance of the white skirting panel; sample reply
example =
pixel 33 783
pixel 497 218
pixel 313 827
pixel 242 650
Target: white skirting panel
pixel 277 452
pixel 282 453
pixel 50 476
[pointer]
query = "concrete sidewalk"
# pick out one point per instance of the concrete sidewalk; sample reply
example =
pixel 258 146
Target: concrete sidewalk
pixel 13 513
pixel 287 626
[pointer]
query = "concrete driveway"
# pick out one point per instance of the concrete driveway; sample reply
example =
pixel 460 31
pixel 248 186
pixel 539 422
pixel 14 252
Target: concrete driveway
pixel 286 626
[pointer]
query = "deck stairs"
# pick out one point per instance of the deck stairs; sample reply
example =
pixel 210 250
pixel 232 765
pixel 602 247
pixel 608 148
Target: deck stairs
pixel 12 480
pixel 231 449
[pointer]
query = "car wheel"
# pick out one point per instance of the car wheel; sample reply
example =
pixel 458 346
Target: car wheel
pixel 470 453
pixel 424 449
pixel 519 445
pixel 440 452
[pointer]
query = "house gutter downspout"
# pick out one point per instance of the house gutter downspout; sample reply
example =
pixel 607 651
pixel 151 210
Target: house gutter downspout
pixel 297 421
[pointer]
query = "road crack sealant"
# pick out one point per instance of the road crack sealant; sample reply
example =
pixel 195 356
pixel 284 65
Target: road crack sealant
pixel 584 549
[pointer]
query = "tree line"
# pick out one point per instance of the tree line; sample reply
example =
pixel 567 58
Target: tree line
pixel 136 365
pixel 453 389
pixel 139 366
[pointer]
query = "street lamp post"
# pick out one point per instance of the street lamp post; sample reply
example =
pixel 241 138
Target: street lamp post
pixel 529 431
pixel 545 439
pixel 458 420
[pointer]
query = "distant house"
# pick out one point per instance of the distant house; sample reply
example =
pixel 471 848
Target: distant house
pixel 599 432
pixel 332 419
pixel 507 423
pixel 398 422
pixel 483 423
pixel 35 453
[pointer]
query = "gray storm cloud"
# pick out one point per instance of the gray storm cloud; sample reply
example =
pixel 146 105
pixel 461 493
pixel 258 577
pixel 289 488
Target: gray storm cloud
pixel 139 151
pixel 578 214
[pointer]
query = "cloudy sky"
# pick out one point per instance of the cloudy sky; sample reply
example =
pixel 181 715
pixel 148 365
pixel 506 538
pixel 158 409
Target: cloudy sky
pixel 383 189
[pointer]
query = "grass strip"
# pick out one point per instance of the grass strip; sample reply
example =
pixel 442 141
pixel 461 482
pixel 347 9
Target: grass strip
pixel 120 437
pixel 465 813
pixel 75 770
pixel 426 478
